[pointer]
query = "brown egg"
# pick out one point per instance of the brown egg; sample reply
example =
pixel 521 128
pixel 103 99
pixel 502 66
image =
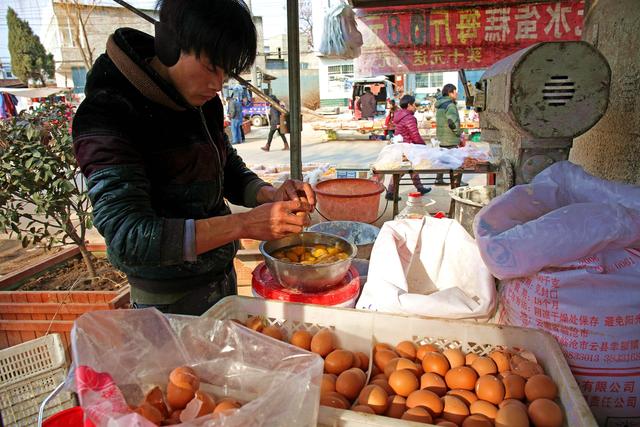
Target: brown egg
pixel 274 332
pixel 469 358
pixel 375 370
pixel 527 369
pixel 384 384
pixel 256 323
pixel 150 412
pixel 444 423
pixel 477 420
pixel 375 397
pixel 174 418
pixel 426 398
pixel 398 363
pixel 363 408
pixel 208 403
pixel 501 359
pixel 435 362
pixel 455 356
pixel 484 366
pixel 382 357
pixel 403 382
pixel 338 361
pixel 334 400
pixel 424 349
pixel 301 339
pixel 511 416
pixel 454 409
pixel 513 386
pixel 379 377
pixel 466 396
pixel 503 375
pixel 545 413
pixel 418 414
pixel 540 387
pixel 433 382
pixel 490 388
pixel 363 359
pixel 461 377
pixel 328 383
pixel 155 398
pixel 382 346
pixel 226 404
pixel 396 406
pixel 323 342
pixel 407 349
pixel 350 383
pixel 182 387
pixel 512 402
pixel 484 408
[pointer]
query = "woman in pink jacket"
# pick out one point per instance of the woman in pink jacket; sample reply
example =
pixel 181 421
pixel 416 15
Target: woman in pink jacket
pixel 407 126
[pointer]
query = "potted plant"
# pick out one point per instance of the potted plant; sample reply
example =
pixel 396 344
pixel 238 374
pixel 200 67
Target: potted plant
pixel 44 200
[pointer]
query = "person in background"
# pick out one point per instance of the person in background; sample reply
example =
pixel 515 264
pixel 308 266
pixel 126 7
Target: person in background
pixel 160 170
pixel 367 104
pixel 235 116
pixel 406 125
pixel 274 124
pixel 389 127
pixel 448 130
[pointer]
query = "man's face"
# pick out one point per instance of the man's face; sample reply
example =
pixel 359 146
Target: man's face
pixel 412 107
pixel 454 94
pixel 197 80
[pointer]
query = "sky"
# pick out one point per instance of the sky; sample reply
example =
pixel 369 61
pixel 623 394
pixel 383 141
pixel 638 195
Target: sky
pixel 273 12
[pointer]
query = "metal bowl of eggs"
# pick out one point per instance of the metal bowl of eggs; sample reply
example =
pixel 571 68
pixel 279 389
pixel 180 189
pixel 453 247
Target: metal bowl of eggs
pixel 308 261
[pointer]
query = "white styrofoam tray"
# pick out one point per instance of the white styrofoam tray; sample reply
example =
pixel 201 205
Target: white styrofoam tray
pixel 358 330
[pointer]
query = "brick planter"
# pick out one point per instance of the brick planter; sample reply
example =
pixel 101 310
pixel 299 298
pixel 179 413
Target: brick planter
pixel 25 315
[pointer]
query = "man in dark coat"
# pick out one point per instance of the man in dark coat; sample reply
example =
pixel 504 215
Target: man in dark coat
pixel 368 104
pixel 274 124
pixel 149 139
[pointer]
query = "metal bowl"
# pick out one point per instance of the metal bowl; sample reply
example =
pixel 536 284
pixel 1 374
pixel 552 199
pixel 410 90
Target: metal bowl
pixel 308 278
pixel 361 234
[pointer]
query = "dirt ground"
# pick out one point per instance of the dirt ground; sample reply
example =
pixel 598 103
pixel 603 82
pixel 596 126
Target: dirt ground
pixel 72 275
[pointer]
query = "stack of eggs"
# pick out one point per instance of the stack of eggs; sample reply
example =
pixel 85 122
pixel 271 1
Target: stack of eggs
pixel 451 388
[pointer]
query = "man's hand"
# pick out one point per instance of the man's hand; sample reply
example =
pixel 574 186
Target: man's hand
pixel 293 190
pixel 274 220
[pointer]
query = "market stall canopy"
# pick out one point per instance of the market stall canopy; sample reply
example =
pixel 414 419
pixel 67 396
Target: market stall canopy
pixel 34 92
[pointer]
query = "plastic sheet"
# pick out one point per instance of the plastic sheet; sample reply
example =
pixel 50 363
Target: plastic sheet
pixel 340 38
pixel 278 384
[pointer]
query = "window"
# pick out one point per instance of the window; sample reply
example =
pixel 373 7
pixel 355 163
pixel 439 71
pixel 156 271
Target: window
pixel 429 80
pixel 66 34
pixel 339 76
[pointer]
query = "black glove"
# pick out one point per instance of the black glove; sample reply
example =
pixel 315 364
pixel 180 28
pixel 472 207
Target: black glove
pixel 452 124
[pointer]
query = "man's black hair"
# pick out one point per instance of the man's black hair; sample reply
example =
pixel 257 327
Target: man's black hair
pixel 367 89
pixel 223 30
pixel 447 89
pixel 406 100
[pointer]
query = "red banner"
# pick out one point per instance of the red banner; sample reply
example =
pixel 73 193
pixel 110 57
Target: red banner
pixel 424 39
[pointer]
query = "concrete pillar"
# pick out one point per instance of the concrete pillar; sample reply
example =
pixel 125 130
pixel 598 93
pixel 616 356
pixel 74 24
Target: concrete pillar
pixel 611 149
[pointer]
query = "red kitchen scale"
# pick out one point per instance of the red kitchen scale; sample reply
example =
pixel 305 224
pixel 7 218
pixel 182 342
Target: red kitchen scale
pixel 344 294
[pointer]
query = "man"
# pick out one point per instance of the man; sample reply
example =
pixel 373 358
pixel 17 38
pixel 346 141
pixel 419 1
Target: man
pixel 149 139
pixel 367 104
pixel 448 130
pixel 235 117
pixel 274 124
pixel 406 125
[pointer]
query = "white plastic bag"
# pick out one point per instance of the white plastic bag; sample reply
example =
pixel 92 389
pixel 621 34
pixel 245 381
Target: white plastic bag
pixel 392 157
pixel 564 247
pixel 429 267
pixel 121 354
pixel 340 38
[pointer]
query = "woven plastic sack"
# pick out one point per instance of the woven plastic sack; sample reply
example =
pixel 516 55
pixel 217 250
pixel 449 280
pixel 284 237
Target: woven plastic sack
pixel 567 248
pixel 119 355
pixel 340 38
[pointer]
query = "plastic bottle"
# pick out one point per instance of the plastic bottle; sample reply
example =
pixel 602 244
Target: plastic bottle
pixel 416 207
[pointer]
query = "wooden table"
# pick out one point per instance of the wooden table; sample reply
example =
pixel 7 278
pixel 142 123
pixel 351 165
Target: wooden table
pixel 482 168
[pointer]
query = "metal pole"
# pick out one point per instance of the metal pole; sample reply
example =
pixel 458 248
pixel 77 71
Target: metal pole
pixel 254 70
pixel 295 118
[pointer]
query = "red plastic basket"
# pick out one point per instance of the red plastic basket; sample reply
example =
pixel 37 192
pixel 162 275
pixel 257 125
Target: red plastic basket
pixel 72 417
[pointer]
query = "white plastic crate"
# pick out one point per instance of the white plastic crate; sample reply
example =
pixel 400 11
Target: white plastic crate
pixel 358 330
pixel 29 372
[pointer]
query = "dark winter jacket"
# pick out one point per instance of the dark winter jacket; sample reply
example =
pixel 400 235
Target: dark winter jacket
pixel 368 105
pixel 447 122
pixel 152 161
pixel 274 118
pixel 407 126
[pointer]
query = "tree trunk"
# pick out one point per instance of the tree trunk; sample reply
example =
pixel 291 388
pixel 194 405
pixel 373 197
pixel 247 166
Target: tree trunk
pixel 87 257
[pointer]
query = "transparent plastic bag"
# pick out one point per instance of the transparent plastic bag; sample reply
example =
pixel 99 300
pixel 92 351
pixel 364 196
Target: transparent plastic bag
pixel 340 38
pixel 393 157
pixel 121 354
